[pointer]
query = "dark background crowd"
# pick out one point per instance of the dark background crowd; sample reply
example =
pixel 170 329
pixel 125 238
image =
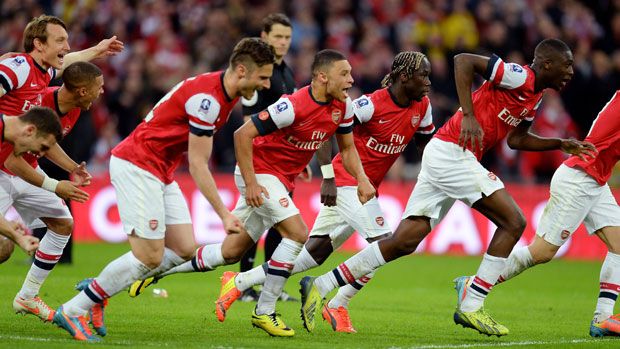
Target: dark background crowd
pixel 168 41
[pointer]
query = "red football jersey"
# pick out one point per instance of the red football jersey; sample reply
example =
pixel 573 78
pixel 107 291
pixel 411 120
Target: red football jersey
pixel 605 135
pixel 385 130
pixel 198 105
pixel 24 82
pixel 500 104
pixel 67 120
pixel 304 124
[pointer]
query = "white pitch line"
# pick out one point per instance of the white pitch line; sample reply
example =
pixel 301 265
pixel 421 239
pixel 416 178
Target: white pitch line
pixel 58 340
pixel 500 344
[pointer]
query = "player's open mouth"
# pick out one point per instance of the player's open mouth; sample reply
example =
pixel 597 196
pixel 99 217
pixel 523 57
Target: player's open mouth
pixel 345 91
pixel 61 58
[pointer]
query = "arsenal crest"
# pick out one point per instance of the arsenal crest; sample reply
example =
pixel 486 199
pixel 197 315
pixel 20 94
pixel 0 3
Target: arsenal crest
pixel 284 202
pixel 153 223
pixel 336 114
pixel 380 221
pixel 492 176
pixel 565 234
pixel 415 120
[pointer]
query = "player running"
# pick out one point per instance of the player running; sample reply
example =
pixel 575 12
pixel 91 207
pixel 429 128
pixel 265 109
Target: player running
pixel 151 205
pixel 386 121
pixel 580 193
pixel 277 32
pixel 272 149
pixel 32 193
pixel 504 105
pixel 36 133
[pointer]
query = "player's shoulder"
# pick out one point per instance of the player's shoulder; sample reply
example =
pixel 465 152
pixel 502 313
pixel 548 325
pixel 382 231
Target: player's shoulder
pixel 20 63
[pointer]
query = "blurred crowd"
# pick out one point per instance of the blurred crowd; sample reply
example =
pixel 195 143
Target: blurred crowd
pixel 167 41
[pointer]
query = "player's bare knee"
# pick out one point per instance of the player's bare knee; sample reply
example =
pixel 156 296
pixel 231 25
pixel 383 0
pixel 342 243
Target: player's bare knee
pixel 516 224
pixel 60 226
pixel 319 248
pixel 6 249
pixel 541 256
pixel 150 259
pixel 232 254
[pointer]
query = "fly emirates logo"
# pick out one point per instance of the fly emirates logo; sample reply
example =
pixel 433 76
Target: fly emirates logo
pixel 318 138
pixel 505 116
pixel 395 146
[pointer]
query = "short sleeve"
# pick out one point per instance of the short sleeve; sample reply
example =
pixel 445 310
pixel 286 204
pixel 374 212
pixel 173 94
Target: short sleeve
pixel 14 72
pixel 505 75
pixel 346 124
pixel 203 110
pixel 282 112
pixel 426 125
pixel 363 109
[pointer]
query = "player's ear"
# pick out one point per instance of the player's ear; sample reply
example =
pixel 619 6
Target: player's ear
pixel 322 76
pixel 29 130
pixel 241 70
pixel 38 44
pixel 263 35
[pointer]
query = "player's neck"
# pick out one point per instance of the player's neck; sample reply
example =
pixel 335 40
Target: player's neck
pixel 399 96
pixel 39 59
pixel 230 83
pixel 539 85
pixel 319 92
pixel 66 100
pixel 11 129
pixel 279 60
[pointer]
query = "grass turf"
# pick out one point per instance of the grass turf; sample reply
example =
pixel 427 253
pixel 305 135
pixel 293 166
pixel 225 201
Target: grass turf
pixel 408 304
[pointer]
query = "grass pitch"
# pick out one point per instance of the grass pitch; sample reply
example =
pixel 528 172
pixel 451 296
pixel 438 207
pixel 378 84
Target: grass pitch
pixel 409 304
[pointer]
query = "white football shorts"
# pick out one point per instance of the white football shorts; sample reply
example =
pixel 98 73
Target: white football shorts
pixel 278 207
pixel 448 173
pixel 145 204
pixel 348 216
pixel 29 201
pixel 576 197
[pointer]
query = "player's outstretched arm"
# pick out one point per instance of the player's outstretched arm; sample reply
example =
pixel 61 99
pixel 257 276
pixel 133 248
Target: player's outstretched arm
pixel 243 150
pixel 522 139
pixel 64 189
pixel 105 48
pixel 198 154
pixel 465 65
pixel 328 185
pixel 352 164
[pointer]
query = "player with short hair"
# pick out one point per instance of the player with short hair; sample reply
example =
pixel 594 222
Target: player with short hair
pixel 272 148
pixel 580 193
pixel 277 31
pixel 24 76
pixel 35 133
pixel 151 205
pixel 385 122
pixel 33 194
pixel 504 105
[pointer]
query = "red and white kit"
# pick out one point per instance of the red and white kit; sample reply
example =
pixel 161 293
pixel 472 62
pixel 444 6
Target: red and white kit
pixel 29 201
pixel 385 130
pixel 142 166
pixel 448 173
pixel 579 189
pixel 303 125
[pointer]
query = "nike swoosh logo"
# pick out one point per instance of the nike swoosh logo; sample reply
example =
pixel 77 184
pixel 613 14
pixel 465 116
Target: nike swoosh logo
pixel 33 84
pixel 521 98
pixel 32 310
pixel 384 121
